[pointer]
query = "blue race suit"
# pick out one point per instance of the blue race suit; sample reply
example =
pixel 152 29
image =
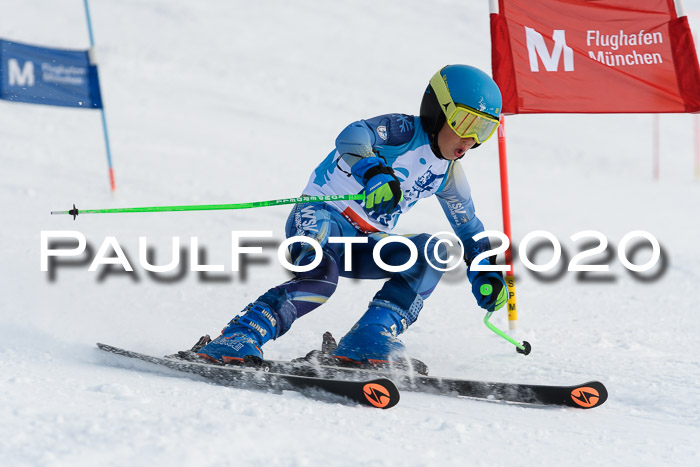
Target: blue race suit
pixel 402 144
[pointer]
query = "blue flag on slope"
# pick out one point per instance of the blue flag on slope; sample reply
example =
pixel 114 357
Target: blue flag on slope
pixel 40 75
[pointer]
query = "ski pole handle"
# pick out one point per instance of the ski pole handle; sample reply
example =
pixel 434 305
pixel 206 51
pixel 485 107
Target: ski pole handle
pixel 523 348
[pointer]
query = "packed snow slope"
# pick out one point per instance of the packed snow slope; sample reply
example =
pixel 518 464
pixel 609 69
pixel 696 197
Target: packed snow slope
pixel 235 101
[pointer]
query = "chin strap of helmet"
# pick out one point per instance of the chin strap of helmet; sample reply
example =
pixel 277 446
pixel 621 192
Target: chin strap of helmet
pixel 434 138
pixel 434 146
pixel 436 149
pixel 433 135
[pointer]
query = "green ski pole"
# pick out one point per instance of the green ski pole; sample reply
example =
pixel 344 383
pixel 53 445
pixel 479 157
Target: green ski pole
pixel 523 348
pixel 214 207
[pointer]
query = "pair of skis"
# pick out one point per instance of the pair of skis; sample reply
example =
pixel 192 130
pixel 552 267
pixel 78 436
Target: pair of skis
pixel 372 387
pixel 375 392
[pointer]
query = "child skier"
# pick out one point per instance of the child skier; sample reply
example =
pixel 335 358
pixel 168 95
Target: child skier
pixel 395 160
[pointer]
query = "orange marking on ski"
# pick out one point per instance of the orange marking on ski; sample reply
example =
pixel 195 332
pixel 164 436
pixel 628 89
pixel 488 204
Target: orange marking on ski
pixel 208 357
pixel 346 359
pixel 231 359
pixel 377 395
pixel 377 362
pixel 585 397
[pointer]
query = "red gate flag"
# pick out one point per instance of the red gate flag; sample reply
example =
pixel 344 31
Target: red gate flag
pixel 594 56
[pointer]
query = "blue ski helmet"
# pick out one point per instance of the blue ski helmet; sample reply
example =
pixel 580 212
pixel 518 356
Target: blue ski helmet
pixel 464 97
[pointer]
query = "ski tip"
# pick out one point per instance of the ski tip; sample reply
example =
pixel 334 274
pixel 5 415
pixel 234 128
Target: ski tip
pixel 381 393
pixel 107 348
pixel 589 395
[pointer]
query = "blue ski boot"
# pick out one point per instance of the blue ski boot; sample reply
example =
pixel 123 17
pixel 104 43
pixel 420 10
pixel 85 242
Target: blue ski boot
pixel 373 339
pixel 245 334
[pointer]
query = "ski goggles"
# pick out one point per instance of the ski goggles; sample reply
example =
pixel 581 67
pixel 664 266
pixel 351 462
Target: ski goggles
pixel 469 123
pixel 465 121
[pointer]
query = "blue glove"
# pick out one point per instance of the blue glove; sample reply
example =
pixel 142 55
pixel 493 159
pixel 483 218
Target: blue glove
pixel 490 290
pixel 488 287
pixel 382 189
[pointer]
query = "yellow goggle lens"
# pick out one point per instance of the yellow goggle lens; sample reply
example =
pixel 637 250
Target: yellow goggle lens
pixel 468 123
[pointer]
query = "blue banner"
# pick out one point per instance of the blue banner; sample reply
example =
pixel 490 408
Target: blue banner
pixel 40 75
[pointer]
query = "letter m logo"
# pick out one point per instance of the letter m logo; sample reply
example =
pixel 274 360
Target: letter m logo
pixel 536 47
pixel 23 76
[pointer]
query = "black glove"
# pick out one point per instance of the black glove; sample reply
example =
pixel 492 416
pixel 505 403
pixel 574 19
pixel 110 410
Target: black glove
pixel 382 188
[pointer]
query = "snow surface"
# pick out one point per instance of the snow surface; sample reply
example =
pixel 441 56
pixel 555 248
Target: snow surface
pixel 232 101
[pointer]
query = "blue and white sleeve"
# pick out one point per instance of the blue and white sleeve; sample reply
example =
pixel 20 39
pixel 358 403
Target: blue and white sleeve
pixel 361 138
pixel 456 201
